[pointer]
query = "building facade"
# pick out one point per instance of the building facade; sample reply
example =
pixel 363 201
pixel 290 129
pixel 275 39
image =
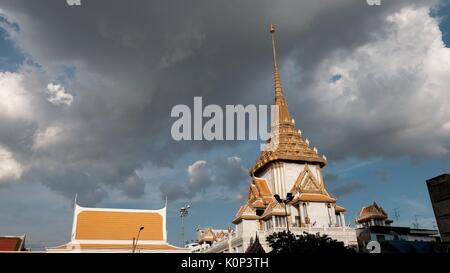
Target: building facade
pixel 373 225
pixel 13 243
pixel 289 165
pixel 439 190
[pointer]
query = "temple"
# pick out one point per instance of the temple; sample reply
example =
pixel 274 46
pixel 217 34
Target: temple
pixel 373 225
pixel 290 166
pixel 118 230
pixel 372 215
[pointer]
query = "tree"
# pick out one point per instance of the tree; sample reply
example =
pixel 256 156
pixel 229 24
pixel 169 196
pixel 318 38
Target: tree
pixel 284 242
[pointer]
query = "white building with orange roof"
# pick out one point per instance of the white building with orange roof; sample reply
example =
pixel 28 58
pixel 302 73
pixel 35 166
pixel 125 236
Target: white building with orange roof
pixel 292 166
pixel 118 230
pixel 372 215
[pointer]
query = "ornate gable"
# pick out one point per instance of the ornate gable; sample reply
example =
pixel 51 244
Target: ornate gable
pixel 307 183
pixel 245 212
pixel 274 208
pixel 310 185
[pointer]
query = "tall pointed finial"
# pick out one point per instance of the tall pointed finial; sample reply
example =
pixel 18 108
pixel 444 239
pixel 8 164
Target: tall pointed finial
pixel 272 31
pixel 284 115
pixel 278 88
pixel 75 200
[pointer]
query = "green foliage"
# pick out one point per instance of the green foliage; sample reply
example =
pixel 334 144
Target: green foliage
pixel 283 242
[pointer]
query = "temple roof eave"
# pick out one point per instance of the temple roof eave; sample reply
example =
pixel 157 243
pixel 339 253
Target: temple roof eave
pixel 260 164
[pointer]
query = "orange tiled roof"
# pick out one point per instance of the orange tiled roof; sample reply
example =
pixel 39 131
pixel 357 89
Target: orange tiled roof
pixel 139 246
pixel 263 187
pixel 372 211
pixel 118 225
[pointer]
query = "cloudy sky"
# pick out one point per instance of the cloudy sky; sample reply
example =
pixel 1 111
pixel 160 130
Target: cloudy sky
pixel 86 94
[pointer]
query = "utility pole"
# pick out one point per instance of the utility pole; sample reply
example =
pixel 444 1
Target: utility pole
pixel 416 224
pixel 184 211
pixel 396 214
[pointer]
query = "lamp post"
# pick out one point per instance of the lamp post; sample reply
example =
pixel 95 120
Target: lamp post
pixel 288 199
pixel 135 242
pixel 184 211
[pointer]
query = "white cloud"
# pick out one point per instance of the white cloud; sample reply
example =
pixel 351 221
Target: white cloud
pixel 14 100
pixel 198 175
pixel 10 169
pixel 392 92
pixel 220 178
pixel 58 95
pixel 51 135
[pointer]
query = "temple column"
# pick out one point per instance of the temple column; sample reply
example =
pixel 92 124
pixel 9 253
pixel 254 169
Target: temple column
pixel 300 212
pixel 274 179
pixel 284 189
pixel 333 218
pixel 341 216
pixel 305 212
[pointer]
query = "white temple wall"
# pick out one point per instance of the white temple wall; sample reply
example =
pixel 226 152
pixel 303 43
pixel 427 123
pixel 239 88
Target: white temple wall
pixel 249 228
pixel 318 212
pixel 281 177
pixel 291 173
pixel 267 175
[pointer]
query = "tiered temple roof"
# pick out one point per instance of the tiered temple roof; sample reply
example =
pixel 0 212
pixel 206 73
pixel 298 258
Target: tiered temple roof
pixel 287 145
pixel 286 140
pixel 370 212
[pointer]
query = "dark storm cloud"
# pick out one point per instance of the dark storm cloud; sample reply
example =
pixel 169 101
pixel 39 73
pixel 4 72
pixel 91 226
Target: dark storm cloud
pixel 131 62
pixel 347 189
pixel 331 177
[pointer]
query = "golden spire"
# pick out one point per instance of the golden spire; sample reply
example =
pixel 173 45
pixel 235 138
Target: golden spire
pixel 289 144
pixel 284 115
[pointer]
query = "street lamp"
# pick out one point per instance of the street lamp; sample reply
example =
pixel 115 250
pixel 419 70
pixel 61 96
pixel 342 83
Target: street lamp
pixel 184 211
pixel 135 242
pixel 288 199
